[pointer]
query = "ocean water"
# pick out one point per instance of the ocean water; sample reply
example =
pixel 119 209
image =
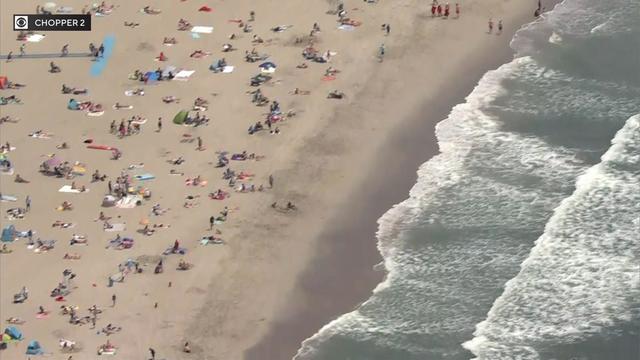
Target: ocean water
pixel 521 240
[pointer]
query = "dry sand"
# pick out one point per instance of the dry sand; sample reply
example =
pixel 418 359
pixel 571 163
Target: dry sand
pixel 331 160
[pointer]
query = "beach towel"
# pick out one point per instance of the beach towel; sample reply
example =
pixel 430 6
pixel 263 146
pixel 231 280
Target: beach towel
pixel 205 9
pixel 64 10
pixel 68 189
pixel 95 113
pixel 139 122
pixel 195 35
pixel 183 75
pixel 143 177
pixel 131 93
pixel 268 70
pixel 8 198
pixel 202 29
pixel 128 202
pixel 8 171
pixel 35 37
pixel 116 227
pixel 347 27
pixel 123 107
pixel 100 147
pixel 228 69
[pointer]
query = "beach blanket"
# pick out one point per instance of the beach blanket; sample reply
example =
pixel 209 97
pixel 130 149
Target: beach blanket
pixel 35 37
pixel 6 171
pixel 116 227
pixel 202 29
pixel 170 250
pixel 8 198
pixel 347 27
pixel 64 10
pixel 128 202
pixel 68 189
pixel 139 122
pixel 228 69
pixel 183 75
pixel 100 147
pixel 95 113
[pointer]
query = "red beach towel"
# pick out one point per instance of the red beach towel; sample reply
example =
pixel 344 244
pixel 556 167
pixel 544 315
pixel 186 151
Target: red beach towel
pixel 205 9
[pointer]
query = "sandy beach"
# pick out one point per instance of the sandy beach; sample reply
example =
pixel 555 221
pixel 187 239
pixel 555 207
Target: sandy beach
pixel 280 275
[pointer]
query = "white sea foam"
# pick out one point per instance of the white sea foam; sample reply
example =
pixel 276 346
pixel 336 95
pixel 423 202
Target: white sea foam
pixel 555 38
pixel 459 139
pixel 583 274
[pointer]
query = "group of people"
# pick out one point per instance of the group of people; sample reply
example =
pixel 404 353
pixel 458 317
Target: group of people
pixel 443 11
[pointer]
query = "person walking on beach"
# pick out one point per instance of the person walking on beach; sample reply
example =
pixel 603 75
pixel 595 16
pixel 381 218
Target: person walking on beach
pixel 212 221
pixel 159 124
pixel 22 47
pixel 270 181
pixel 439 10
pixel 101 50
pixel 434 5
pixel 199 144
pixel 457 10
pixel 381 52
pixel 446 11
pixel 113 300
pixel 153 353
pixel 9 56
pixel 499 27
pixel 65 50
pixel 27 203
pixel 490 26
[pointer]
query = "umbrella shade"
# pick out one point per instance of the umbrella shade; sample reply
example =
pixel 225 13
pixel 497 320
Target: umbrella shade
pixel 180 117
pixel 266 65
pixel 53 162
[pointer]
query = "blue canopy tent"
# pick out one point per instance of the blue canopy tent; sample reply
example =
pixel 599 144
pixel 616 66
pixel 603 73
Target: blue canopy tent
pixel 267 65
pixel 151 76
pixel 9 233
pixel 34 348
pixel 13 332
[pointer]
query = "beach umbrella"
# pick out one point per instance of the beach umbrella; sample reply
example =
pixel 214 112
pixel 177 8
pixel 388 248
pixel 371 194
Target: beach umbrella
pixel 180 117
pixel 53 162
pixel 267 65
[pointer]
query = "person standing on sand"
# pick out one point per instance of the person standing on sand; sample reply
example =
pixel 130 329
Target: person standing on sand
pixel 113 300
pixel 27 203
pixel 159 124
pixel 499 27
pixel 434 5
pixel 270 181
pixel 9 56
pixel 65 50
pixel 457 10
pixel 212 221
pixel 22 52
pixel 153 353
pixel 199 144
pixel 490 26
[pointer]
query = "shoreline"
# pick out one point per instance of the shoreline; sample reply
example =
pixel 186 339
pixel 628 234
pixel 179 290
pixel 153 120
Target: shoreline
pixel 348 258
